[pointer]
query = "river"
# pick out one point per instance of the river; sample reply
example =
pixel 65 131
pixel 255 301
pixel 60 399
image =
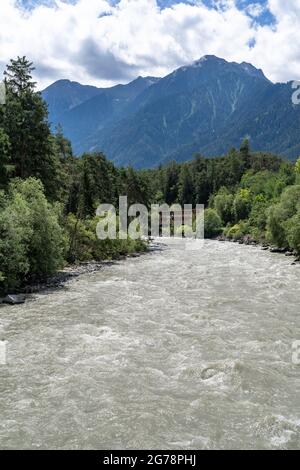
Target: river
pixel 177 349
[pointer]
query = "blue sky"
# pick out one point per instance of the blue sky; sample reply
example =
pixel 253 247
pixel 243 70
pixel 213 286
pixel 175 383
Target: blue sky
pixel 104 42
pixel 265 18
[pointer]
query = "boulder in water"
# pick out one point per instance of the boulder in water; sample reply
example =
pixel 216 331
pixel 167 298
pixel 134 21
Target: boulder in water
pixel 14 299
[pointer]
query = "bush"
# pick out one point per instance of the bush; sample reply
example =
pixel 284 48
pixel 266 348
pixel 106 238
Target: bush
pixel 258 214
pixel 31 238
pixel 242 205
pixel 238 231
pixel 212 223
pixel 223 204
pixel 85 245
pixel 184 230
pixel 282 217
pixel 292 228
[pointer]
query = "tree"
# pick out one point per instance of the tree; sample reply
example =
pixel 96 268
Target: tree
pixel 4 158
pixel 245 153
pixel 98 182
pixel 32 241
pixel 201 181
pixel 18 76
pixel 235 167
pixel 185 186
pixel 15 234
pixel 136 187
pixel 242 204
pixel 223 203
pixel 25 121
pixel 292 228
pixel 297 167
pixel 171 183
pixel 63 146
pixel 212 223
pixel 279 223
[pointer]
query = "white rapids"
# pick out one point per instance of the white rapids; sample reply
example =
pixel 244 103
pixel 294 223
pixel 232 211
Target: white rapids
pixel 177 349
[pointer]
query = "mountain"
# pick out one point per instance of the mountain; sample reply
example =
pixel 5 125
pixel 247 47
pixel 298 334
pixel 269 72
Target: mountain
pixel 64 95
pixel 95 114
pixel 207 107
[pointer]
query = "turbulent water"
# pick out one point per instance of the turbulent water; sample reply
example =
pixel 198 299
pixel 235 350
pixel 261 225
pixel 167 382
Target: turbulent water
pixel 177 349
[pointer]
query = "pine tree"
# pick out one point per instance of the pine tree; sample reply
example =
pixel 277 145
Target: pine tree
pixel 63 145
pixel 18 76
pixel 245 153
pixel 186 186
pixel 25 122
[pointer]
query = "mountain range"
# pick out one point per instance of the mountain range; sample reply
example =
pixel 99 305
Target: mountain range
pixel 206 107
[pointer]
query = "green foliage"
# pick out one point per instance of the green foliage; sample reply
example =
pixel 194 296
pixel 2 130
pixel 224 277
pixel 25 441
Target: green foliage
pixel 62 146
pixel 223 204
pixel 185 186
pixel 258 214
pixel 171 176
pixel 297 167
pixel 88 247
pixel 32 242
pixel 237 231
pixel 212 223
pixel 282 217
pixel 48 242
pixel 245 153
pixel 136 186
pixel 292 229
pixel 242 204
pixel 15 235
pixel 97 184
pixel 24 121
pixel 263 182
pixel 4 158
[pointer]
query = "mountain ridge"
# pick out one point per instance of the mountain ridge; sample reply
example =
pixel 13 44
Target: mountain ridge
pixel 207 107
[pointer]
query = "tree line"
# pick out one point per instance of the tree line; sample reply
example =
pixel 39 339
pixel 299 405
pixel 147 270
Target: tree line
pixel 48 197
pixel 252 195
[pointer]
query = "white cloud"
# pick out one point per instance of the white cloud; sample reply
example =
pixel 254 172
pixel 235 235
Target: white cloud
pixel 93 42
pixel 255 9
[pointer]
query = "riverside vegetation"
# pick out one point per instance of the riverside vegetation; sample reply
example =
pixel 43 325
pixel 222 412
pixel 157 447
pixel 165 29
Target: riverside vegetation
pixel 48 197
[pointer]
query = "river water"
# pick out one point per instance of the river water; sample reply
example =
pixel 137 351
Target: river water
pixel 177 349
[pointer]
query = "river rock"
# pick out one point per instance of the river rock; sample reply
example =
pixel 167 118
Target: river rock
pixel 278 250
pixel 14 299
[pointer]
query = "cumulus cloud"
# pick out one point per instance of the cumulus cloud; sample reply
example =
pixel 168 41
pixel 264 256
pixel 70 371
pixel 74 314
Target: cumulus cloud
pixel 255 9
pixel 105 42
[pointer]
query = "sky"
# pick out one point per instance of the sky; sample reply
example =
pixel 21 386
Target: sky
pixel 104 42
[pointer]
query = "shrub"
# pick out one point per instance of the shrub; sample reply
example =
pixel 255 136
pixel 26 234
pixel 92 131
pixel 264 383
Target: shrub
pixel 292 228
pixel 238 231
pixel 212 223
pixel 282 217
pixel 31 238
pixel 86 246
pixel 223 204
pixel 258 214
pixel 242 204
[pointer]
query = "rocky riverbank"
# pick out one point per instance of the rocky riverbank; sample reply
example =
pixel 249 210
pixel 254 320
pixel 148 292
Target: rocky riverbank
pixel 248 240
pixel 59 280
